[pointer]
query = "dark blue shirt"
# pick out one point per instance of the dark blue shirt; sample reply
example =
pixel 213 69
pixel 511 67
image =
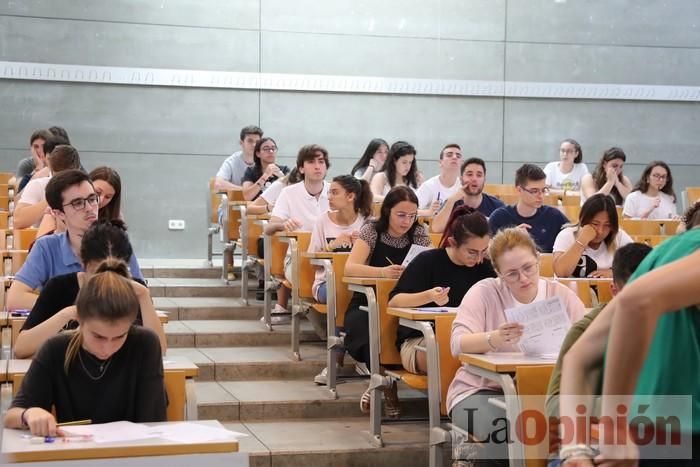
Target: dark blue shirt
pixel 545 224
pixel 488 204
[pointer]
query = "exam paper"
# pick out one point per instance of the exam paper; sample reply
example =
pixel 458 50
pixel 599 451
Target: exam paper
pixel 193 433
pixel 413 252
pixel 545 326
pixel 111 432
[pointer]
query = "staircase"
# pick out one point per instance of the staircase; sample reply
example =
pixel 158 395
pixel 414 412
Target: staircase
pixel 249 382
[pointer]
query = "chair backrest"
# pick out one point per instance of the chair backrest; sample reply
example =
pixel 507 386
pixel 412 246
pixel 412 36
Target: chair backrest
pixel 448 364
pixel 17 239
pixel 213 200
pixel 5 177
pixel 3 219
pixel 497 189
pixel 388 325
pixel 532 381
pixel 589 291
pixel 174 381
pixel 571 212
pixel 307 272
pixel 546 265
pixel 651 240
pixel 649 227
pixel 435 239
pixel 233 227
pixel 12 261
pixel 570 200
pixel 254 231
pixel 692 195
pixel 5 203
pixel 276 255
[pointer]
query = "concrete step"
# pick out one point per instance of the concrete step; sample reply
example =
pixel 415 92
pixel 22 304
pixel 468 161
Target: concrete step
pixel 231 333
pixel 292 399
pixel 204 308
pixel 333 443
pixel 193 287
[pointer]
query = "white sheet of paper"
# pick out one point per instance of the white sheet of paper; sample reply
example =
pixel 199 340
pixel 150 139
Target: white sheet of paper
pixel 546 324
pixel 193 433
pixel 413 252
pixel 111 432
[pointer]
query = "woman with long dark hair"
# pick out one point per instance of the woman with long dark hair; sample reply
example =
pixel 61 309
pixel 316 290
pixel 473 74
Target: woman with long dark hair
pixel 400 169
pixel 372 160
pixel 653 196
pixel 607 178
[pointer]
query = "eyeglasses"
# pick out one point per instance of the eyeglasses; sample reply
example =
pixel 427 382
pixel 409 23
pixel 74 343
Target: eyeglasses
pixel 404 216
pixel 536 191
pixel 269 149
pixel 528 270
pixel 567 151
pixel 477 254
pixel 79 203
pixel 659 176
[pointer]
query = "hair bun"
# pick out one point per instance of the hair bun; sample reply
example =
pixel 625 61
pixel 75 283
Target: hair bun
pixel 114 265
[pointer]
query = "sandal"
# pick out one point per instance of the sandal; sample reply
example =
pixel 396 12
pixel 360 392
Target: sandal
pixel 392 406
pixel 366 400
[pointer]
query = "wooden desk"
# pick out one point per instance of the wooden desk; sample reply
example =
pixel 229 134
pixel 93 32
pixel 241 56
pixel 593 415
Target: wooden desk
pixel 17 448
pixel 499 367
pixel 421 320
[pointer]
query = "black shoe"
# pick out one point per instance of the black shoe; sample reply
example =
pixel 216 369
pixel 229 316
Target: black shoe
pixel 260 293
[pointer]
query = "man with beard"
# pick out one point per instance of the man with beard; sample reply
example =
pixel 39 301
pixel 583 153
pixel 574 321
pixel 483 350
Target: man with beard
pixel 73 200
pixel 472 194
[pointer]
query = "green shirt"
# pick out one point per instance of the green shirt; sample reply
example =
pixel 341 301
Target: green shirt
pixel 673 361
pixel 552 402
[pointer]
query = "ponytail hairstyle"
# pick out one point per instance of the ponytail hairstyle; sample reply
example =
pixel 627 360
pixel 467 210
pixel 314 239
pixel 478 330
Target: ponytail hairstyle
pixel 464 224
pixel 109 175
pixel 361 190
pixel 108 296
pixel 105 239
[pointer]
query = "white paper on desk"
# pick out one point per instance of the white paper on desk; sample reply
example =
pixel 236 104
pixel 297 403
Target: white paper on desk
pixel 193 433
pixel 546 324
pixel 111 432
pixel 436 309
pixel 413 252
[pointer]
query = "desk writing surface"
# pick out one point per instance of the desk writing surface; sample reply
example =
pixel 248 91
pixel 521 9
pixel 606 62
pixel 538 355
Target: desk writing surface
pixel 417 315
pixel 320 254
pixel 4 318
pixel 16 448
pixel 503 362
pixel 366 280
pixel 170 363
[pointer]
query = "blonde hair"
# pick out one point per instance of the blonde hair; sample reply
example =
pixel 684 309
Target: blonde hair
pixel 107 296
pixel 508 239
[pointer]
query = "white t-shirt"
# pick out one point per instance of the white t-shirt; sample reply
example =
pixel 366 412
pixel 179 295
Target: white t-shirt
pixel 273 192
pixel 603 256
pixel 558 180
pixel 35 191
pixel 432 190
pixel 637 203
pixel 324 231
pixel 233 168
pixel 295 202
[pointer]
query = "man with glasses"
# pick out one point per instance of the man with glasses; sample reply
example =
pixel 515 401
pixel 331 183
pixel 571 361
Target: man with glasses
pixel 542 222
pixel 433 193
pixel 73 200
pixel 472 194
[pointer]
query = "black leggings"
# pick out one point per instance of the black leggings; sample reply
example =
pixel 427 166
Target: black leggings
pixel 357 331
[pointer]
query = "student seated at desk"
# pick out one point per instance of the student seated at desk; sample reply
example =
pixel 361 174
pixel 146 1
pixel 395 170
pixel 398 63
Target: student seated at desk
pixel 481 326
pixel 264 203
pixel 587 248
pixel 441 277
pixel 54 310
pixel 350 203
pixel 624 264
pixel 108 370
pixel 378 252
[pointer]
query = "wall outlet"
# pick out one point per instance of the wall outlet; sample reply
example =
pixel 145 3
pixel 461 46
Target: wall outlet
pixel 176 224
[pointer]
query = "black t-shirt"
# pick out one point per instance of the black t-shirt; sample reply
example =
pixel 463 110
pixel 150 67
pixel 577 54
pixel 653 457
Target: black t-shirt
pixel 58 293
pixel 253 174
pixel 434 268
pixel 131 387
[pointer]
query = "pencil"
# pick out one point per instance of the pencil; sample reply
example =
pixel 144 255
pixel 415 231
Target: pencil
pixel 76 422
pixel 390 262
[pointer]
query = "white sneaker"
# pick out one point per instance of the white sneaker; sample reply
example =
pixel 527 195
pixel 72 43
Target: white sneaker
pixel 361 369
pixel 322 377
pixel 280 315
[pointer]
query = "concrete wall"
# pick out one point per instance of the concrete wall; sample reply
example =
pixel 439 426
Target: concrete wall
pixel 167 141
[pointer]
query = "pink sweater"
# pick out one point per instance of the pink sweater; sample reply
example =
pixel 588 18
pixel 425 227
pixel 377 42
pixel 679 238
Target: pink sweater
pixel 481 310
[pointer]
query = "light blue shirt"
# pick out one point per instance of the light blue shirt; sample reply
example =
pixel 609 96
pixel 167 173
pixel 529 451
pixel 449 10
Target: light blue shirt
pixel 52 256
